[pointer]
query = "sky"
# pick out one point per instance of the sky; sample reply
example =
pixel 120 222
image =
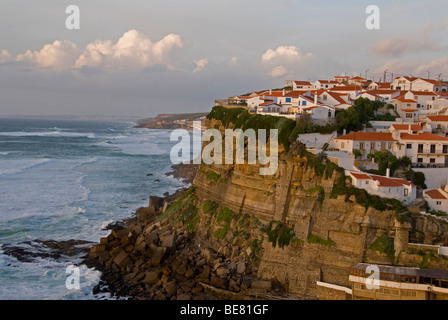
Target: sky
pixel 145 57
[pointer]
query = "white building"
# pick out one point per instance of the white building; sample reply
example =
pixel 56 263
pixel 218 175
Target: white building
pixel 437 198
pixel 384 186
pixel 424 149
pixel 438 125
pixel 302 85
pixel 365 142
pixel 325 84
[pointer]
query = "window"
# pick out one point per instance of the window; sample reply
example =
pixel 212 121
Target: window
pixel 329 114
pixel 409 115
pixel 324 97
pixel 367 182
pixel 438 203
pixel 342 145
pixel 433 148
pixel 389 146
pixel 409 146
pixel 432 160
pixel 420 148
pixel 288 100
pixel 445 149
pixel 420 160
pixel 406 192
pixel 303 103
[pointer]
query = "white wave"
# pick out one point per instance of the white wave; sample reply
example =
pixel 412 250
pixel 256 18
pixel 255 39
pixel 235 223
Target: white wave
pixel 57 133
pixel 4 153
pixel 22 168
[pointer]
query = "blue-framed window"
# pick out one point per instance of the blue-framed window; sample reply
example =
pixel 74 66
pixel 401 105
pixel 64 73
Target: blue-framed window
pixel 304 103
pixel 288 100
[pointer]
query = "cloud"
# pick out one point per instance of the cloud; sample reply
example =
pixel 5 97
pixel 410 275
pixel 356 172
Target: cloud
pixel 5 56
pixel 58 56
pixel 286 60
pixel 234 61
pixel 200 64
pixel 435 66
pixel 291 53
pixel 395 47
pixel 133 51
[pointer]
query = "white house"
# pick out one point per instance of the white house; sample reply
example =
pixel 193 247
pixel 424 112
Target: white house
pixel 341 79
pixel 384 186
pixel 403 83
pixel 437 198
pixel 365 142
pixel 320 112
pixel 379 86
pixel 438 124
pixel 333 99
pixel 302 85
pixel 269 107
pixel 429 85
pixel 359 81
pixel 424 149
pixel 421 97
pixel 438 105
pixel 406 108
pixel 325 84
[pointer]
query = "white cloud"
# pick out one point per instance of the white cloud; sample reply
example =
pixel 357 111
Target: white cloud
pixel 286 61
pixel 133 51
pixel 278 71
pixel 200 64
pixel 234 61
pixel 395 47
pixel 435 66
pixel 5 56
pixel 58 56
pixel 291 53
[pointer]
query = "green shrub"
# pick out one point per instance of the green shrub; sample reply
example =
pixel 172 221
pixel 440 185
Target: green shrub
pixel 282 234
pixel 384 244
pixel 316 239
pixel 223 219
pixel 213 176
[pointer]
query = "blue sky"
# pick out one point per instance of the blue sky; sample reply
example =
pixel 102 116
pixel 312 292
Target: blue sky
pixel 147 57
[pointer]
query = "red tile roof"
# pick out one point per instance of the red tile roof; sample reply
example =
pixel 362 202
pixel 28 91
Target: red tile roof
pixel 296 93
pixel 409 110
pixel 435 194
pixel 346 88
pixel 390 182
pixel 414 127
pixel 302 83
pixel 368 136
pixel 361 176
pixel 422 136
pixel 438 118
pixel 423 93
pixel 274 94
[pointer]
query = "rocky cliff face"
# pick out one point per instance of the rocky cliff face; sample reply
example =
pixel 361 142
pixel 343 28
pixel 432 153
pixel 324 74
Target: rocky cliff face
pixel 238 234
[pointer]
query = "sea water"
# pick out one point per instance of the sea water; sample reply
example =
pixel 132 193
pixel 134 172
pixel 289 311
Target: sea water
pixel 65 179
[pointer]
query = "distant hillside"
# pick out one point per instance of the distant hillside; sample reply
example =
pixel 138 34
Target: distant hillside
pixel 171 121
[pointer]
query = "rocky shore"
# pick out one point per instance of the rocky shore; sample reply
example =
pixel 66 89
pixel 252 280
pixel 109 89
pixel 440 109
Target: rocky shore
pixel 146 257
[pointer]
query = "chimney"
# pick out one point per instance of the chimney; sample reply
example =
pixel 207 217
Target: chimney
pixel 388 173
pixel 344 132
pixel 270 91
pixel 284 91
pixel 315 99
pixel 409 129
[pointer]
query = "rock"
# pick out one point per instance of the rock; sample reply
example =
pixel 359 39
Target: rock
pixel 222 272
pixel 189 273
pixel 151 277
pixel 122 259
pixel 157 255
pixel 183 296
pixel 168 240
pixel 241 267
pixel 171 287
pixel 264 285
pixel 218 282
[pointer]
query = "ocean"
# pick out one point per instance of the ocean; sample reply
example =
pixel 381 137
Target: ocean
pixel 66 179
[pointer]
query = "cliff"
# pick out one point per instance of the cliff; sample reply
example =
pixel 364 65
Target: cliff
pixel 237 234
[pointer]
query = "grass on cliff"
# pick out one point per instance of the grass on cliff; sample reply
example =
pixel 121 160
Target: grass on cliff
pixel 282 235
pixel 316 239
pixel 240 118
pixel 224 219
pixel 384 244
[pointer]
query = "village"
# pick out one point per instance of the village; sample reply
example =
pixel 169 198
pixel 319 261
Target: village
pixel 410 123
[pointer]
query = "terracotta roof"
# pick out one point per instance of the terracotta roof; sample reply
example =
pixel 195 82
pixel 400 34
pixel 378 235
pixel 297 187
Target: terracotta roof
pixel 435 194
pixel 378 91
pixel 357 78
pixel 403 99
pixel 390 182
pixel 431 81
pixel 368 136
pixel 409 110
pixel 438 118
pixel 361 176
pixel 296 93
pixel 268 103
pixel 302 83
pixel 309 108
pixel 414 127
pixel 274 94
pixel 422 136
pixel 328 81
pixel 423 93
pixel 335 96
pixel 346 88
